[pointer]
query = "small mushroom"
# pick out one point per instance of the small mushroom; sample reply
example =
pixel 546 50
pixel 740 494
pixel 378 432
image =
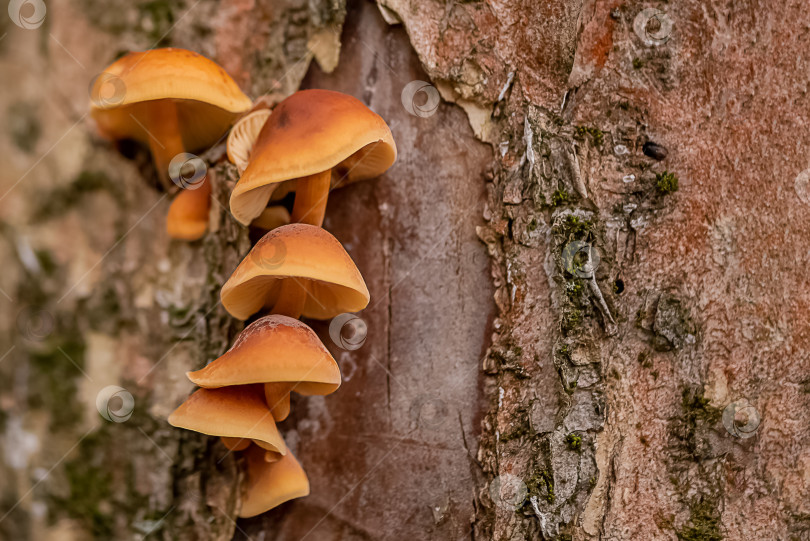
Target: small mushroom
pixel 271 484
pixel 237 414
pixel 243 134
pixel 188 214
pixel 279 352
pixel 309 137
pixel 296 269
pixel 175 101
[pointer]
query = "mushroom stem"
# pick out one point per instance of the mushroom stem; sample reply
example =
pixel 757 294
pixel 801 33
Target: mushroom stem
pixel 291 298
pixel 235 444
pixel 311 194
pixel 277 396
pixel 163 132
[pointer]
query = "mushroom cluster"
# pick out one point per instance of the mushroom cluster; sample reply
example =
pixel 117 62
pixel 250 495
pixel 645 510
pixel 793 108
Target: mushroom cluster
pixel 243 393
pixel 310 142
pixel 175 101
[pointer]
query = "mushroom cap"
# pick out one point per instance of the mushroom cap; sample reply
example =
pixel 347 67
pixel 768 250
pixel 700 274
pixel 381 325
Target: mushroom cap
pixel 232 412
pixel 274 349
pixel 189 212
pixel 310 132
pixel 270 484
pixel 207 99
pixel 306 253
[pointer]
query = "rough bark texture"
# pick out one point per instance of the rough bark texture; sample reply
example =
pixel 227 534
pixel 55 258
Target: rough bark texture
pixel 514 395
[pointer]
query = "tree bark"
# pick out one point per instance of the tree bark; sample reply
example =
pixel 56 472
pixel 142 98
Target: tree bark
pixel 586 261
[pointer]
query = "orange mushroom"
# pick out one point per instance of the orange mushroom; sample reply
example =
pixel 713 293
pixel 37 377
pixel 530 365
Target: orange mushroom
pixel 175 101
pixel 269 485
pixel 310 136
pixel 309 140
pixel 240 143
pixel 297 269
pixel 237 414
pixel 188 214
pixel 280 352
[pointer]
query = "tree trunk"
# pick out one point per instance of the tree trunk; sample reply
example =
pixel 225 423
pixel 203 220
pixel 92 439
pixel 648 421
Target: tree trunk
pixel 588 288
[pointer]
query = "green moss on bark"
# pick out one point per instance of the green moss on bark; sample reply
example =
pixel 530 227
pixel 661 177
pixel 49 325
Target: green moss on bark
pixel 704 522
